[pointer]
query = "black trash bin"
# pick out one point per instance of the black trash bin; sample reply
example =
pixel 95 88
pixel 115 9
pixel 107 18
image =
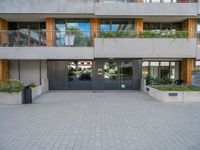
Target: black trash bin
pixel 27 98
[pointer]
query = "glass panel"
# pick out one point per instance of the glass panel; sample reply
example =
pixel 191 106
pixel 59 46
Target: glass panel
pixel 175 71
pixel 126 75
pixel 43 33
pixel 122 25
pixel 145 69
pixel 105 26
pixel 34 34
pixel 111 75
pixel 154 69
pixel 23 38
pixel 155 27
pixel 197 65
pixel 166 26
pixel 79 34
pixel 176 27
pixel 164 70
pixel 60 32
pixel 80 74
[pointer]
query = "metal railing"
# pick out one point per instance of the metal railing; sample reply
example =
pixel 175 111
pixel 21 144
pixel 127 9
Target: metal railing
pixel 146 1
pixel 34 38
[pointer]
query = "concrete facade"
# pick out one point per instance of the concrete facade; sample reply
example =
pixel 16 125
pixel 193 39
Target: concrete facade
pixel 38 53
pixel 146 9
pixel 145 48
pixel 47 7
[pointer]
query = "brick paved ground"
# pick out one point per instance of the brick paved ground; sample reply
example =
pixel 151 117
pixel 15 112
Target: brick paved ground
pixel 99 121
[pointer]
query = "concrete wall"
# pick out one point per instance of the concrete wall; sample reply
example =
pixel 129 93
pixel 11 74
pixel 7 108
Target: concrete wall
pixel 27 71
pixel 47 6
pixel 146 9
pixel 46 53
pixel 145 48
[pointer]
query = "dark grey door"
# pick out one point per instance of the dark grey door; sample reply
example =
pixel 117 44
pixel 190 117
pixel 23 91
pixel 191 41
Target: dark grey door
pixel 57 75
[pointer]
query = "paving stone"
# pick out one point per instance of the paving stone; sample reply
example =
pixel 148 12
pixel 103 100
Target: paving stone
pixel 104 120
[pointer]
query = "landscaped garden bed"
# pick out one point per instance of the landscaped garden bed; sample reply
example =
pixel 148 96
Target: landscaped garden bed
pixel 171 92
pixel 12 91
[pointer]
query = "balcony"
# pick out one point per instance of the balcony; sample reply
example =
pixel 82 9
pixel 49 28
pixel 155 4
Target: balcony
pixel 26 44
pixel 29 44
pixel 148 8
pixel 145 45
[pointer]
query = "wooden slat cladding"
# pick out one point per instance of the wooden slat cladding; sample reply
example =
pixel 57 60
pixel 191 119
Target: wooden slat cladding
pixel 50 32
pixel 187 65
pixel 94 29
pixel 138 25
pixel 3 71
pixel 4 40
pixel 3 34
pixel 190 25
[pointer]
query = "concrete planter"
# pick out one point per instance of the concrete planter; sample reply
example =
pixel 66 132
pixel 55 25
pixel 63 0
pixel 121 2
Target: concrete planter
pixel 173 96
pixel 10 98
pixel 36 91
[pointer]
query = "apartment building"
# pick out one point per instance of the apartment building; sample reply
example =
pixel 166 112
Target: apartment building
pixel 98 44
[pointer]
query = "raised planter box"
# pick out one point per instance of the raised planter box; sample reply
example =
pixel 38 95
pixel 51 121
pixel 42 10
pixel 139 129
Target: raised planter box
pixel 36 91
pixel 10 98
pixel 173 96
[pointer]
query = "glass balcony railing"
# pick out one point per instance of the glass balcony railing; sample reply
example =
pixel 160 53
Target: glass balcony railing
pixel 22 38
pixel 146 1
pixel 28 38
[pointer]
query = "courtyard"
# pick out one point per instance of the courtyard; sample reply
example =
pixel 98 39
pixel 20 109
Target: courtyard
pixel 101 120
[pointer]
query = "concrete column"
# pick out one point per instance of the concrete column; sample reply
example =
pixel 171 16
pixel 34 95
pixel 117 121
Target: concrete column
pixel 187 65
pixel 94 29
pixel 139 25
pixel 50 32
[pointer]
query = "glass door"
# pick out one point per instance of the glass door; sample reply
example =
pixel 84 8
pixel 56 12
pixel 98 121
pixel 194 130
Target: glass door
pixel 111 75
pixel 126 75
pixel 118 75
pixel 80 75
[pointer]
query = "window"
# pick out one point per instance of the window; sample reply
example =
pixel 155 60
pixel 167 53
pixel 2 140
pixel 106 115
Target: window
pixel 117 25
pixel 145 69
pixel 163 69
pixel 73 32
pixel 197 65
pixel 27 33
pixel 163 26
pixel 154 69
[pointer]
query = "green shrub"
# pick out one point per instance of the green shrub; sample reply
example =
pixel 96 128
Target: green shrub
pixel 149 80
pixel 150 34
pixel 32 85
pixel 163 34
pixel 196 70
pixel 12 86
pixel 117 34
pixel 158 81
pixel 176 88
